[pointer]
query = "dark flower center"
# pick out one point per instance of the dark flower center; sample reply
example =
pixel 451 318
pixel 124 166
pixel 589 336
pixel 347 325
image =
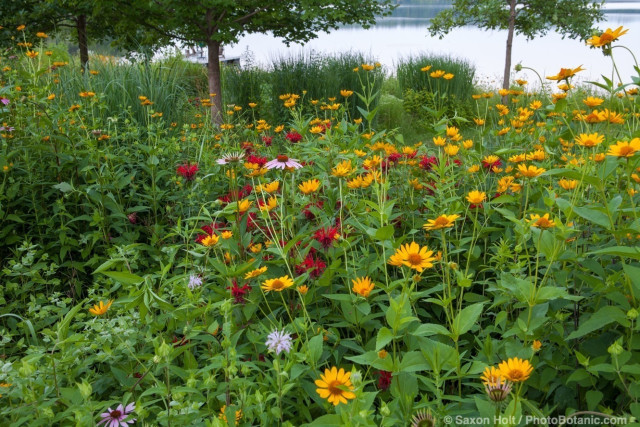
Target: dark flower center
pixel 282 158
pixel 116 414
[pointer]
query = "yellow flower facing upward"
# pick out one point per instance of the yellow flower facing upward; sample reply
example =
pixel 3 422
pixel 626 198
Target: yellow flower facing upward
pixel 342 169
pixel 451 149
pixel 541 221
pixel 362 286
pixel 257 272
pixel 277 285
pixel 515 370
pixel 530 171
pixel 443 221
pixel 440 141
pixel 589 139
pixel 335 386
pixel 308 187
pixel 32 53
pixel 476 197
pixel 210 240
pixel 244 205
pixel 346 93
pixel 607 37
pixel 271 204
pixel 425 69
pixel 448 76
pixel 624 149
pixel 413 256
pixel 100 308
pixel 437 74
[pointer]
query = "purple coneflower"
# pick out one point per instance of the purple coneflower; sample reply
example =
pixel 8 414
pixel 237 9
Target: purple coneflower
pixel 233 157
pixel 282 162
pixel 278 341
pixel 118 417
pixel 5 101
pixel 8 128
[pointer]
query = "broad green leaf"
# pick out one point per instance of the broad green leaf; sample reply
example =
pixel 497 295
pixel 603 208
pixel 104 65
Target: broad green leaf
pixel 599 319
pixel 124 277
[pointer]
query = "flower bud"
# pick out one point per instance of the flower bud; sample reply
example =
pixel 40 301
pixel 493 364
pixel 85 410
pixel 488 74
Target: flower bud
pixel 615 349
pixel 85 389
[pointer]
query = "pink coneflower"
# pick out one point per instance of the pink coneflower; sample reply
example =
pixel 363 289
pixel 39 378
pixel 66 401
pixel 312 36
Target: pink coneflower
pixel 5 101
pixel 282 162
pixel 118 417
pixel 188 171
pixel 233 157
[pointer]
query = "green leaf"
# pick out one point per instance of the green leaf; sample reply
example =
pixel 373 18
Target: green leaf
pixel 621 251
pixel 384 337
pixel 63 327
pixel 124 277
pixel 384 233
pixel 593 215
pixel 65 187
pixel 430 329
pixel 465 320
pixel 598 320
pixel 315 348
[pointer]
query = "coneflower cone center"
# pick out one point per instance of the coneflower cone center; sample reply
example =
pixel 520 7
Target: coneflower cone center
pixel 116 414
pixel 277 285
pixel 414 259
pixel 516 374
pixel 333 387
pixel 283 158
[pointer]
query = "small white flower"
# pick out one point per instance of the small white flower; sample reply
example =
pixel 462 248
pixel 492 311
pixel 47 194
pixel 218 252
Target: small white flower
pixel 279 341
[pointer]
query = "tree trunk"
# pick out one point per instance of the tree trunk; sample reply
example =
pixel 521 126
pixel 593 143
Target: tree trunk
pixel 81 26
pixel 507 61
pixel 213 72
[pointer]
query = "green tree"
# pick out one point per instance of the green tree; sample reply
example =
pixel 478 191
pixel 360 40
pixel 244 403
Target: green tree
pixel 531 18
pixel 214 23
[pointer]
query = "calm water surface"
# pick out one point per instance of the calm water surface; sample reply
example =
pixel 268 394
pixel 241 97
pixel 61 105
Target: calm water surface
pixel 405 33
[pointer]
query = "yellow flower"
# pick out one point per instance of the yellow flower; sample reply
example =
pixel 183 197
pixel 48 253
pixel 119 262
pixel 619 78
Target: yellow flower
pixel 443 221
pixel 342 169
pixel 255 248
pixel 530 171
pixel 437 74
pixel 467 144
pixel 413 256
pixel 474 169
pixel 210 240
pixel 451 150
pixel 316 129
pixel 491 376
pixel 541 221
pixel 32 53
pixel 607 37
pixel 439 141
pixel 568 184
pixel 425 69
pixel 303 289
pixel 271 204
pixel 279 129
pixel 382 354
pixel 256 272
pixel 268 188
pixel 223 416
pixel 226 126
pixel 308 187
pixel 589 140
pixel 476 197
pixel 591 101
pixel 362 286
pixel 516 370
pixel 20 27
pixel 335 385
pixel 41 35
pixel 448 76
pixel 346 93
pixel 367 67
pixel 536 345
pixel 51 96
pixel 277 285
pixel 565 73
pixel 624 149
pixel 101 308
pixel 244 205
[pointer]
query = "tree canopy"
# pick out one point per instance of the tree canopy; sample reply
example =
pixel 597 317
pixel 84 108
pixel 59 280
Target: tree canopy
pixel 530 18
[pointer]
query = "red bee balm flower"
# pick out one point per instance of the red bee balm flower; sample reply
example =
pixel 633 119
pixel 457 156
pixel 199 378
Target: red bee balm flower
pixel 294 137
pixel 239 292
pixel 326 236
pixel 384 380
pixel 188 171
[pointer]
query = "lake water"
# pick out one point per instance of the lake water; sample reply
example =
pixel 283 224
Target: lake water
pixel 405 33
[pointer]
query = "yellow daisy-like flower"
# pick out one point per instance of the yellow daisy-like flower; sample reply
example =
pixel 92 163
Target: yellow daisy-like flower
pixel 491 376
pixel 476 197
pixel 536 345
pixel 413 256
pixel 437 74
pixel 624 149
pixel 591 101
pixel 565 73
pixel 451 150
pixel 530 171
pixel 568 184
pixel 210 240
pixel 303 289
pixel 607 37
pixel 346 93
pixel 589 139
pixel 342 169
pixel 308 187
pixel 271 204
pixel 244 205
pixel 101 308
pixel 443 221
pixel 316 129
pixel 439 141
pixel 515 370
pixel 278 284
pixel 226 235
pixel 32 53
pixel 268 188
pixel 335 386
pixel 256 272
pixel 362 286
pixel 541 221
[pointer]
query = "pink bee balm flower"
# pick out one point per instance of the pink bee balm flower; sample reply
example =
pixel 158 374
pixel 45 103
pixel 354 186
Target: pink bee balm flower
pixel 282 162
pixel 118 417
